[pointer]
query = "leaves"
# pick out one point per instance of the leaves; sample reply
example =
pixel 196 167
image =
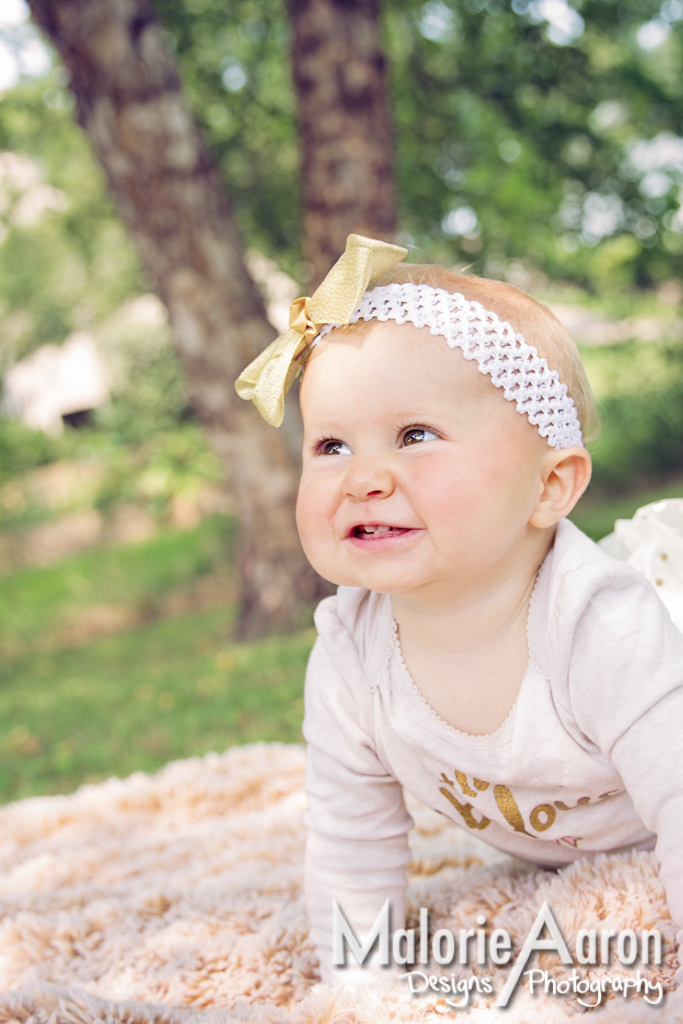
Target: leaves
pixel 65 261
pixel 520 112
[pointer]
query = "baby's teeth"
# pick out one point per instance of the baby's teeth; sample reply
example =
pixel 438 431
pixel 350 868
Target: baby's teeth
pixel 382 529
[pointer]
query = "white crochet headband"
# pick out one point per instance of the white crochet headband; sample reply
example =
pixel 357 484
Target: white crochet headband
pixel 502 353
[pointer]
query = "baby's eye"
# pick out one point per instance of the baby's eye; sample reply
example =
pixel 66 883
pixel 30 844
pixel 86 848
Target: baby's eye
pixel 416 435
pixel 334 448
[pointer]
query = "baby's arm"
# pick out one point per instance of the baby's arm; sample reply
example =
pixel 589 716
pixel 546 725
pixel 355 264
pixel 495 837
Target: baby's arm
pixel 626 691
pixel 649 758
pixel 357 849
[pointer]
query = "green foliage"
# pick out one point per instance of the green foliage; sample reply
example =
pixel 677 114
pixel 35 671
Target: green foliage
pixel 166 465
pixel 236 74
pixel 22 449
pixel 150 395
pixel 151 473
pixel 66 264
pixel 642 438
pixel 492 116
pixel 511 144
pixel 640 398
pixel 65 261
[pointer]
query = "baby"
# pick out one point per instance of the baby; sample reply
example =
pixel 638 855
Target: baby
pixel 481 652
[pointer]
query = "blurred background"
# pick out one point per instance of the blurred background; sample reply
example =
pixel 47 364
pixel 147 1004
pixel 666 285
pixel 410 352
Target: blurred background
pixel 540 142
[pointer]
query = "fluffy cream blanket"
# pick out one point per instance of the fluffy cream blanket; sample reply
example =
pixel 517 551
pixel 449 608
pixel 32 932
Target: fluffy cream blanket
pixel 176 898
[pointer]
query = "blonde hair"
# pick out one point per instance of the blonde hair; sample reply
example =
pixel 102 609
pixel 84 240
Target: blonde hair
pixel 540 327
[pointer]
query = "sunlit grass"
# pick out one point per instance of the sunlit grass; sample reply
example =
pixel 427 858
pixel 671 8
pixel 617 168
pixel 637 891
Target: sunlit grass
pixel 136 700
pixel 36 604
pixel 166 685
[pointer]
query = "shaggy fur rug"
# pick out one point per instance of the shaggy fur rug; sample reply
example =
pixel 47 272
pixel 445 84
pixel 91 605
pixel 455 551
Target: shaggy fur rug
pixel 176 898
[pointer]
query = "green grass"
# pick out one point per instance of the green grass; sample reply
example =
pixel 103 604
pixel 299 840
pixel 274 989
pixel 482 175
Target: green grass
pixel 134 701
pixel 639 392
pixel 37 603
pixel 173 686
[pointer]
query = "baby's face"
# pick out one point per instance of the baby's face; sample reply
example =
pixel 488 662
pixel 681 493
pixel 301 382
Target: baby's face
pixel 416 471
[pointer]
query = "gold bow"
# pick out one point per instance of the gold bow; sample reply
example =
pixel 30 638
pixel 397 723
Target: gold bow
pixel 269 377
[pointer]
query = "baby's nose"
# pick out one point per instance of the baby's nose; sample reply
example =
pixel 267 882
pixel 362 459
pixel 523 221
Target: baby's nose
pixel 368 478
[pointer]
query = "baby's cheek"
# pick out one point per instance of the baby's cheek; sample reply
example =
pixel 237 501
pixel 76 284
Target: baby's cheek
pixel 448 492
pixel 306 518
pixel 314 519
pixel 472 498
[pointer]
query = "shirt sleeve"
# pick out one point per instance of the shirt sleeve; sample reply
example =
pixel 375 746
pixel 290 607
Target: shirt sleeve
pixel 649 758
pixel 357 848
pixel 626 693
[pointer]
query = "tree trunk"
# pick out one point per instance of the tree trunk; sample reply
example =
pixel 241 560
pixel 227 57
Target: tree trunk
pixel 128 100
pixel 345 126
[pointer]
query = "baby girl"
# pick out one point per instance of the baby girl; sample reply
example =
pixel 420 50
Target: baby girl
pixel 481 652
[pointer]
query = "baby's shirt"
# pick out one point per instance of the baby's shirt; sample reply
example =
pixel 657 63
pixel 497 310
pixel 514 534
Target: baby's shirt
pixel 589 759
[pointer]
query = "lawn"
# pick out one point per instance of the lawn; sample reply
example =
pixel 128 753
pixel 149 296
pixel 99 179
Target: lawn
pixel 44 608
pixel 136 700
pixel 171 685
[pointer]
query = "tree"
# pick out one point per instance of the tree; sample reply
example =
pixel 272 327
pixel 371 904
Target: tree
pixel 129 102
pixel 345 126
pixel 316 128
pixel 514 122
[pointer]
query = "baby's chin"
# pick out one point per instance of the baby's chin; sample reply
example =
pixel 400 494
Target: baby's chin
pixel 378 581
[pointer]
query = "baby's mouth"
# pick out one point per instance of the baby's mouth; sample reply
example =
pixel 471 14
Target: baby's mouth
pixel 375 530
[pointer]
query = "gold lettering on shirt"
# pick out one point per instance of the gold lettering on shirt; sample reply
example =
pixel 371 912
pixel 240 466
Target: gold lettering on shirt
pixel 462 779
pixel 511 811
pixel 465 810
pixel 581 802
pixel 535 817
pixel 465 786
pixel 584 800
pixel 541 818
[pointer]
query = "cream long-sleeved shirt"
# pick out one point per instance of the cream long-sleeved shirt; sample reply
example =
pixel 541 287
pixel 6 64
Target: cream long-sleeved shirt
pixel 589 759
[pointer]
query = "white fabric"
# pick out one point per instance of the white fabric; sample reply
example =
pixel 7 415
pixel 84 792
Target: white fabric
pixel 590 758
pixel 498 349
pixel 652 542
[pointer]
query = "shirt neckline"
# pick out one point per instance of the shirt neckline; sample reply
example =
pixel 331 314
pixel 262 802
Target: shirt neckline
pixel 428 710
pixel 430 717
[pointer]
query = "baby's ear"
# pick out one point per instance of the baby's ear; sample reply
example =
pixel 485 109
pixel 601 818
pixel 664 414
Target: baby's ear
pixel 565 475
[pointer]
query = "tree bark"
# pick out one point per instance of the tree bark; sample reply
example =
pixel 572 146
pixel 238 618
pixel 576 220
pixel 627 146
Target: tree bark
pixel 128 100
pixel 345 126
